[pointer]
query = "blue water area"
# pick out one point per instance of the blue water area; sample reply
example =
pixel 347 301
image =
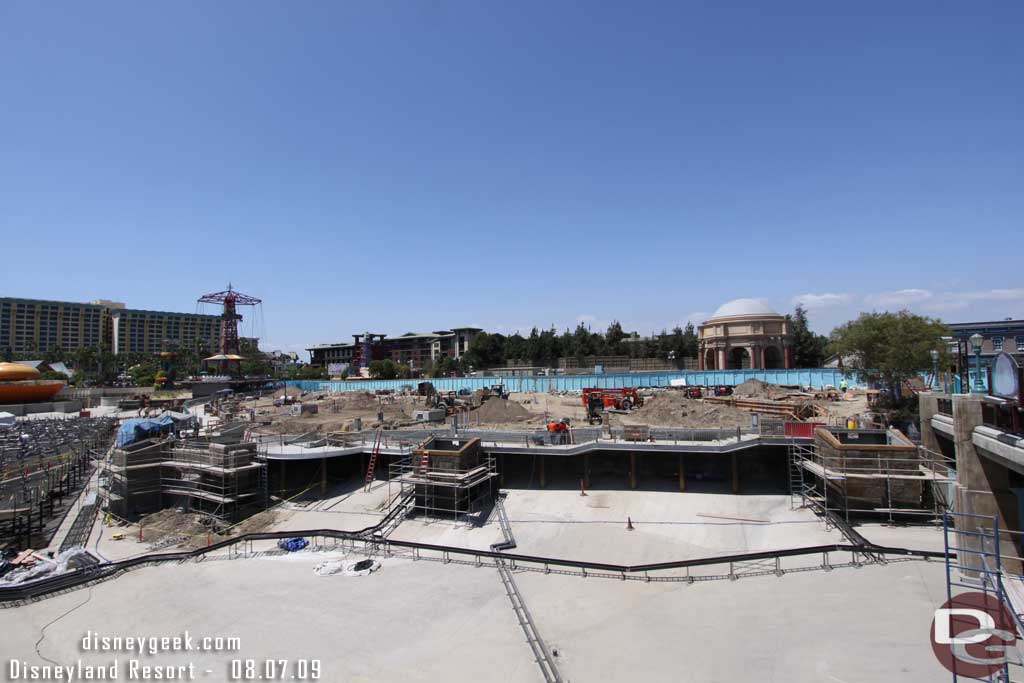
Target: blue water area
pixel 814 377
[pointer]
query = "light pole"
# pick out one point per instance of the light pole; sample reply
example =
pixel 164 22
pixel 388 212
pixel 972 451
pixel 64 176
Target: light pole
pixel 935 368
pixel 976 340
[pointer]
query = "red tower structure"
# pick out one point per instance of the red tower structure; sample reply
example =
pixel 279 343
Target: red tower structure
pixel 228 350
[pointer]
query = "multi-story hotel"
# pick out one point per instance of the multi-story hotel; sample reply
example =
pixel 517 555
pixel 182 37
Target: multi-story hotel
pixel 411 348
pixel 34 326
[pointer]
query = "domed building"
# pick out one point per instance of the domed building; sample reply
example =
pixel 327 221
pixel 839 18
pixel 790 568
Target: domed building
pixel 745 334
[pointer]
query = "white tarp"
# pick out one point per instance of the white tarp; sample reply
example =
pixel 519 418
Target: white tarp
pixel 7 420
pixel 347 567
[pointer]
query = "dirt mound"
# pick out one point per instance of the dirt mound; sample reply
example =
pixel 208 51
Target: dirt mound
pixel 501 410
pixel 753 388
pixel 672 409
pixel 258 522
pixel 171 523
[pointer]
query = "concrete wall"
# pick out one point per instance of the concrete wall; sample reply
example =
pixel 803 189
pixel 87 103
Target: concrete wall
pixel 872 451
pixel 983 483
pixel 22 409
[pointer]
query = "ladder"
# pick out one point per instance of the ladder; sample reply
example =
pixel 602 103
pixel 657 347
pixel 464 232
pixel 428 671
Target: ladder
pixel 264 483
pixel 374 454
pixel 424 464
pixel 796 478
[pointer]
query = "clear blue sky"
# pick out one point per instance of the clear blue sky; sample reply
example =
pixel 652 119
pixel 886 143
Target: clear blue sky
pixel 401 166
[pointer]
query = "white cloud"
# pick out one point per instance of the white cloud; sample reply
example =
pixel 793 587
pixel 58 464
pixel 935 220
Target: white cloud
pixel 695 317
pixel 816 302
pixel 898 299
pixel 958 301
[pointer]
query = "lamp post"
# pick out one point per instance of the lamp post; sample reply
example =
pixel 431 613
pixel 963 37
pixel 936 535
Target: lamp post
pixel 976 340
pixel 935 367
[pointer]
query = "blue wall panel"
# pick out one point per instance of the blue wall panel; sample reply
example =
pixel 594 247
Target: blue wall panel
pixel 817 377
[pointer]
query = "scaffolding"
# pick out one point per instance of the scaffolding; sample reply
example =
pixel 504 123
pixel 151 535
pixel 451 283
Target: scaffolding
pixel 448 478
pixel 219 481
pixel 983 557
pixel 895 484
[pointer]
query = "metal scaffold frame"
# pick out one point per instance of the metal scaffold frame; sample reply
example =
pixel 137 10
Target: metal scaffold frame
pixel 823 483
pixel 206 480
pixel 976 552
pixel 441 492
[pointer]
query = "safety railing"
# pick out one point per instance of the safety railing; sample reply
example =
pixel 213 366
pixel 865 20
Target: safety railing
pixel 368 540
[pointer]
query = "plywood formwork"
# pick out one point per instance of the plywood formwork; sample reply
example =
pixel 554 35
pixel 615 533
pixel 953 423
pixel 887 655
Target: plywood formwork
pixel 862 472
pixel 221 480
pixel 448 477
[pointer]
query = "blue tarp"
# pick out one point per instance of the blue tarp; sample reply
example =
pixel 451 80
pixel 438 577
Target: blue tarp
pixel 135 428
pixel 292 544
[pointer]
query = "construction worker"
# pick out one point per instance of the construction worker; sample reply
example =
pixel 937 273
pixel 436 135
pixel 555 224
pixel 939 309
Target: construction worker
pixel 842 385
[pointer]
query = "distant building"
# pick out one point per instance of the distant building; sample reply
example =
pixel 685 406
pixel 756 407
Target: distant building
pixel 411 348
pixel 745 333
pixel 137 331
pixel 997 335
pixel 31 325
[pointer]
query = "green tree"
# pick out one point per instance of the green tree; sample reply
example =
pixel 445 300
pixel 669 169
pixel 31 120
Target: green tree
pixel 515 348
pixel 443 367
pixel 309 372
pixel 485 351
pixel 613 337
pixel 690 343
pixel 383 369
pixel 888 348
pixel 808 347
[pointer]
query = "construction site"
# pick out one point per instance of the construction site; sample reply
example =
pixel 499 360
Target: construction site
pixel 675 490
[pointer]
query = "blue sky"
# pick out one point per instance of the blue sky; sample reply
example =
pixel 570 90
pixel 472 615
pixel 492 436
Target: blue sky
pixel 401 166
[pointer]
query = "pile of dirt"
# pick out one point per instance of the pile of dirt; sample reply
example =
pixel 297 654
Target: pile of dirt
pixel 753 388
pixel 501 410
pixel 171 523
pixel 258 522
pixel 674 410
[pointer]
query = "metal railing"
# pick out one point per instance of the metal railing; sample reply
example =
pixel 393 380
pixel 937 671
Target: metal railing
pixel 369 541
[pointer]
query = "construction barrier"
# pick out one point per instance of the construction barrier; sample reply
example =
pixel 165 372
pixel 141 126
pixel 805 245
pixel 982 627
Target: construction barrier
pixel 816 378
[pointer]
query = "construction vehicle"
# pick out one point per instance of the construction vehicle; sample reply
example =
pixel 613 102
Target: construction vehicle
pixel 598 401
pixel 618 399
pixel 493 391
pixel 692 392
pixel 445 400
pixel 595 407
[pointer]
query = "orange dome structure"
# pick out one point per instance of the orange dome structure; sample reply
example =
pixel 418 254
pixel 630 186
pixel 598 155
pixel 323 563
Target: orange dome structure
pixel 21 384
pixel 12 372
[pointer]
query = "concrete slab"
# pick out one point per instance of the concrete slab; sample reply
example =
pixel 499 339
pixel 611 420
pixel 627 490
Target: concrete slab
pixel 848 626
pixel 428 621
pixel 409 621
pixel 666 526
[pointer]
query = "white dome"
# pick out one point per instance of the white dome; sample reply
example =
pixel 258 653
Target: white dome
pixel 738 307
